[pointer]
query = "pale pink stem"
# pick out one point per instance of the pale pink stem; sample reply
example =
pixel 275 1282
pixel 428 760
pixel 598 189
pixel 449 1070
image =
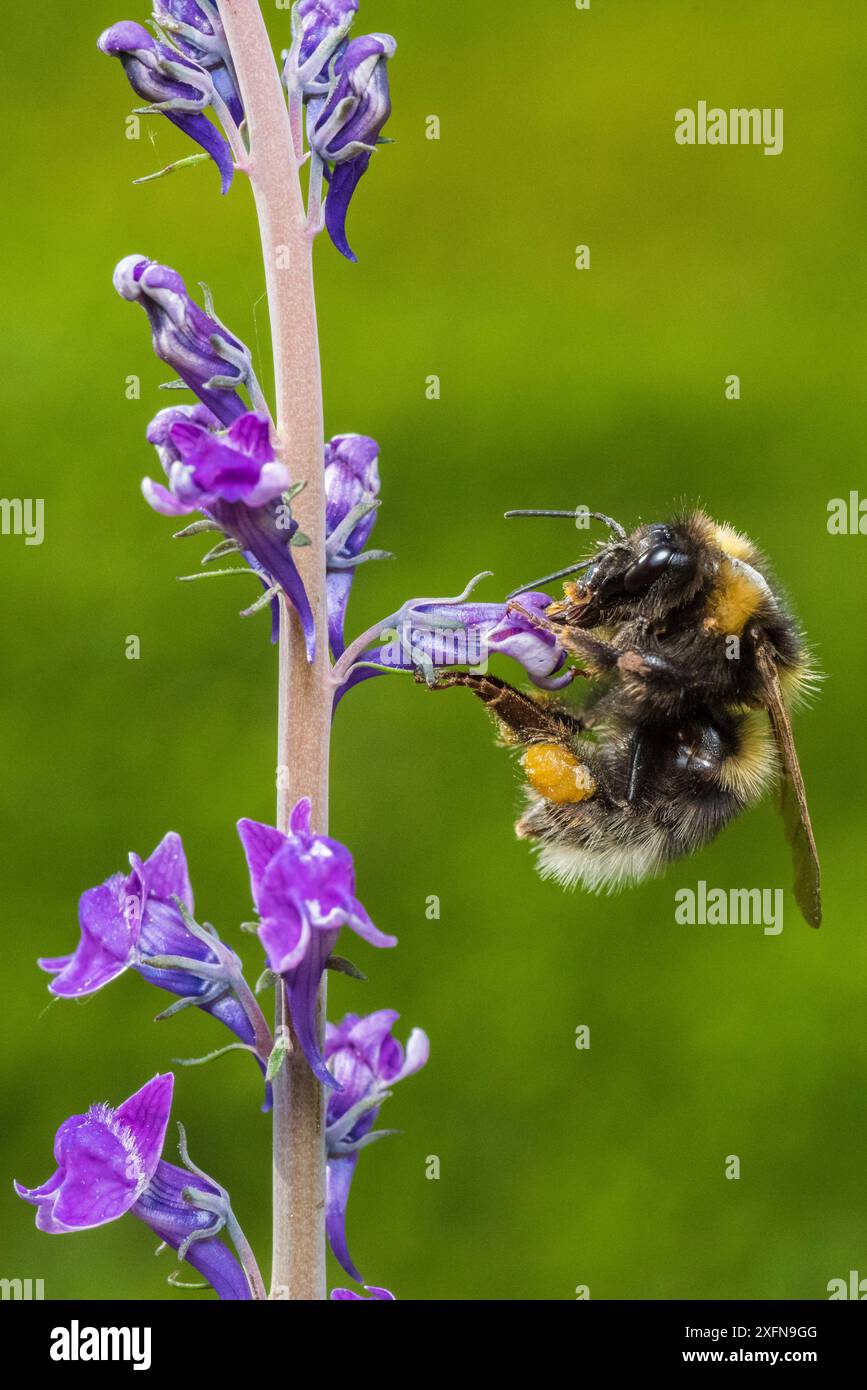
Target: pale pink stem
pixel 304 711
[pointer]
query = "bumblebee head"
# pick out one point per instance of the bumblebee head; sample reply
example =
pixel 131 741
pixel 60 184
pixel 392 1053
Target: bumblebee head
pixel 645 574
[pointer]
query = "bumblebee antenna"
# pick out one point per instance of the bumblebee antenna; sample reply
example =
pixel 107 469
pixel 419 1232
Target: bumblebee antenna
pixel 574 513
pixel 546 578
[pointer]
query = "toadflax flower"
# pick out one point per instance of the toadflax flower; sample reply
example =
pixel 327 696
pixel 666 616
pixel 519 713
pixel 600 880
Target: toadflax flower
pixel 367 1061
pixel 351 489
pixel 234 478
pixel 303 888
pixel 318 29
pixel 206 465
pixel 174 85
pixel 132 918
pixel 109 1162
pixel 428 634
pixel 344 126
pixel 207 358
pixel 231 474
pixel 195 27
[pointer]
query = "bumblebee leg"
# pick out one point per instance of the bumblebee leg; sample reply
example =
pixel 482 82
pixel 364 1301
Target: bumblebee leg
pixel 650 666
pixel 550 765
pixel 639 764
pixel 601 656
pixel 556 774
pixel 528 720
pixel 598 655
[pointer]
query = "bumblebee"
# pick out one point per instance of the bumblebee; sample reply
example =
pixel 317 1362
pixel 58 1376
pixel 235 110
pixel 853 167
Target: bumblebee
pixel 696 662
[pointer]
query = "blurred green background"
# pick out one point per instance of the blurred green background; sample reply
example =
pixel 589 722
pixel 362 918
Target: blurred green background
pixel 606 387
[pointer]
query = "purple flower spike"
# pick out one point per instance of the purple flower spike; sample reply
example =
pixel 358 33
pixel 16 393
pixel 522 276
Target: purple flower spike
pixel 367 1061
pixel 109 1163
pixel 373 1293
pixel 344 127
pixel 351 488
pixel 132 917
pixel 198 33
pixel 303 888
pixel 318 29
pixel 206 357
pixel 174 85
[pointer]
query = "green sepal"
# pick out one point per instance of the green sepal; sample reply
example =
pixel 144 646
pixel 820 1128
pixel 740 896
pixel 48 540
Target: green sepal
pixel 345 967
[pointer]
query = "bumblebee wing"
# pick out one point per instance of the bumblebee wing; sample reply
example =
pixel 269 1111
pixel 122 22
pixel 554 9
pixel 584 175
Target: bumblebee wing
pixel 792 798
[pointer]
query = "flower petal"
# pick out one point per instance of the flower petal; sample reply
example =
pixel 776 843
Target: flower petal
pixel 344 181
pixel 251 434
pixel 338 1182
pixel 52 965
pixel 164 874
pixel 286 938
pixel 196 125
pixel 261 843
pixel 360 923
pixel 161 500
pixel 369 1032
pixel 338 584
pixel 146 1113
pixel 256 529
pixel 417 1054
pixel 299 819
pixel 302 988
pixel 107 946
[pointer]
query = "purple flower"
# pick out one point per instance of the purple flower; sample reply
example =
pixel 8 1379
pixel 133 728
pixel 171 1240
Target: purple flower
pixel 428 634
pixel 351 489
pixel 177 498
pixel 207 358
pixel 109 1163
pixel 344 1295
pixel 536 649
pixel 206 465
pixel 197 31
pixel 367 1061
pixel 235 478
pixel 133 917
pixel 303 888
pixel 318 29
pixel 344 127
pixel 174 85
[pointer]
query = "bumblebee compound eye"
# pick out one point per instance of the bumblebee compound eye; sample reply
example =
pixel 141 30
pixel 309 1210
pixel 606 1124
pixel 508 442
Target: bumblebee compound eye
pixel 654 563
